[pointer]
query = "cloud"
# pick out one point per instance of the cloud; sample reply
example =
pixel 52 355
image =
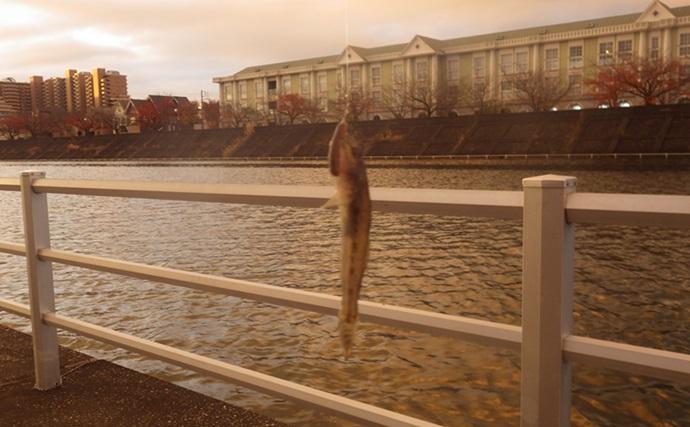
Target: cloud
pixel 178 46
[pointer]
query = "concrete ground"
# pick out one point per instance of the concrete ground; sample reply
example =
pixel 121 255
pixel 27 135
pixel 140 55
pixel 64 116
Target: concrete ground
pixel 99 393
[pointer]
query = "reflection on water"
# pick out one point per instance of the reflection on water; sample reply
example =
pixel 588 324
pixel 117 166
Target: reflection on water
pixel 632 285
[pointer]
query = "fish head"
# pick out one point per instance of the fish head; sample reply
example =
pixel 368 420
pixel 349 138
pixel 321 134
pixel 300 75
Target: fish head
pixel 344 151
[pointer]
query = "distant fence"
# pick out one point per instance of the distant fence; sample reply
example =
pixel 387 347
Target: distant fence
pixel 622 131
pixel 548 206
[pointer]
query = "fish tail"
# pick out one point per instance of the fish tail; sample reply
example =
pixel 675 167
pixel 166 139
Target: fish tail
pixel 347 336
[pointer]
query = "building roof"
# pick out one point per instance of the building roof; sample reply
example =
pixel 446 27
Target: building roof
pixel 162 102
pixel 440 45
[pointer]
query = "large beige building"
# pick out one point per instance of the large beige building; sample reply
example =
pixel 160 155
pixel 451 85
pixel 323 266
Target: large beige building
pixel 109 86
pixel 15 95
pixel 571 52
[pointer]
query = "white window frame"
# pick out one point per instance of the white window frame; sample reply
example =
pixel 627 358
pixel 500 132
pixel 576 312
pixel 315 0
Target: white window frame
pixel 355 83
pixel 626 39
pixel 373 79
pixel 475 74
pixel 242 89
pixel 453 60
pixel 505 69
pixel 286 88
pixel 683 50
pixel 304 89
pixel 654 53
pixel 319 89
pixel 576 89
pixel 421 64
pixel 576 62
pixel 402 75
pixel 258 89
pixel 606 58
pixel 552 64
pixel 517 65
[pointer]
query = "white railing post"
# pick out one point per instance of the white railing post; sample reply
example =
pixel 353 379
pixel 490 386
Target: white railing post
pixel 547 292
pixel 40 275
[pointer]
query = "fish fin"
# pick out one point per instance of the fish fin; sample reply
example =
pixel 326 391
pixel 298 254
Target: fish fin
pixel 332 202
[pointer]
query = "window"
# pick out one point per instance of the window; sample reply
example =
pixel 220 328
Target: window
pixel 684 44
pixel 521 62
pixel 506 85
pixel 322 84
pixel 376 95
pixel 453 69
pixel 507 63
pixel 258 89
pixel 625 50
pixel 304 86
pixel 551 59
pixel 606 53
pixel 272 87
pixel 421 71
pixel 576 57
pixel 478 67
pixel 323 104
pixel 354 78
pixel 243 90
pixel 228 92
pixel 259 105
pixel 654 48
pixel 376 76
pixel 575 81
pixel 287 84
pixel 398 73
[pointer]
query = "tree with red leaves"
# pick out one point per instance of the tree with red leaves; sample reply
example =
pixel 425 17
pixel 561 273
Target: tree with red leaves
pixel 13 126
pixel 655 81
pixel 188 114
pixel 211 111
pixel 148 117
pixel 294 106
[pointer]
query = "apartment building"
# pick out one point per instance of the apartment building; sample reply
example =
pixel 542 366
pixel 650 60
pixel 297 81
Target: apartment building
pixel 48 95
pixel 15 95
pixel 109 87
pixel 570 52
pixel 79 91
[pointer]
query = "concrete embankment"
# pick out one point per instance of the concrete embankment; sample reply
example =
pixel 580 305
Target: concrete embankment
pixel 99 393
pixel 663 129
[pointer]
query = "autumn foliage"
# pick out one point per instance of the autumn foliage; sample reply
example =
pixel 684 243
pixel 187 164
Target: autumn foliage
pixel 655 81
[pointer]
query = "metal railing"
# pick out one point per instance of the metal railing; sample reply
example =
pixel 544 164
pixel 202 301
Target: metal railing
pixel 548 206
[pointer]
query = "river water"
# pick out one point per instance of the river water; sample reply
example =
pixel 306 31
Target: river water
pixel 632 285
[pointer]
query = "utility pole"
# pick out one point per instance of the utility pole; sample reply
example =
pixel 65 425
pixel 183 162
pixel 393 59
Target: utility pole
pixel 201 108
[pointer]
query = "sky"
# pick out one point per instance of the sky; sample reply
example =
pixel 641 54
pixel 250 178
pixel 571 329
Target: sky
pixel 178 46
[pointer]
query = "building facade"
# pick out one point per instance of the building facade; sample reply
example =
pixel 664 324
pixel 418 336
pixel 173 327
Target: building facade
pixel 16 95
pixel 570 52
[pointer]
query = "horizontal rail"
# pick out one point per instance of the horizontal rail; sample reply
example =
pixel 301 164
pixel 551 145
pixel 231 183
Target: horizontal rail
pixel 661 364
pixel 9 184
pixel 629 209
pixel 479 331
pixel 637 360
pixel 12 248
pixel 15 308
pixel 494 204
pixel 339 405
pixel 590 208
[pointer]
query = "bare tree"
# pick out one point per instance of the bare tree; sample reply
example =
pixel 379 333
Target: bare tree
pixel 394 100
pixel 237 116
pixel 478 96
pixel 539 91
pixel 356 103
pixel 437 100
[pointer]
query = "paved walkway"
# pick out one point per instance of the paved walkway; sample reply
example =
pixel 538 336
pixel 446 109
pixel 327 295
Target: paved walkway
pixel 99 393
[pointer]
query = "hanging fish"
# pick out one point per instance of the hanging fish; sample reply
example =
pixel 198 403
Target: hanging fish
pixel 352 199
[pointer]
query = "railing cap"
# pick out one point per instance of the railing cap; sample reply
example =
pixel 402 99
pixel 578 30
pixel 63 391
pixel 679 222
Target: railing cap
pixel 544 181
pixel 32 172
